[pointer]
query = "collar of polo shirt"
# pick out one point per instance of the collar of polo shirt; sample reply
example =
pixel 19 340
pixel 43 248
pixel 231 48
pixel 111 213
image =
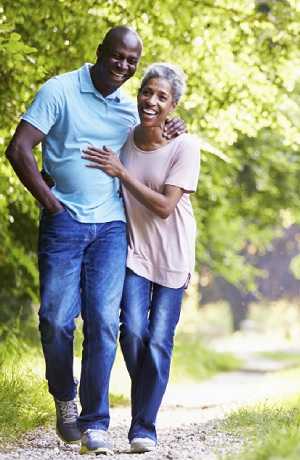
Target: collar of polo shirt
pixel 86 85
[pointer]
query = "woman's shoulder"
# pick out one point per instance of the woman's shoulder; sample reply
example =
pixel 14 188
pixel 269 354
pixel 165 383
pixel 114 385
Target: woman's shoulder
pixel 190 140
pixel 188 144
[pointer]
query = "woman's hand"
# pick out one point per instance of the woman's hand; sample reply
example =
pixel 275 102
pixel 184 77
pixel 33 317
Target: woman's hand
pixel 104 159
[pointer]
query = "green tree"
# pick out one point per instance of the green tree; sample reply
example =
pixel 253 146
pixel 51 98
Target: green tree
pixel 242 61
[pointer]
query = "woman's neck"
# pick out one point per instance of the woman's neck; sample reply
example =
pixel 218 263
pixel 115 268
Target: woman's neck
pixel 149 137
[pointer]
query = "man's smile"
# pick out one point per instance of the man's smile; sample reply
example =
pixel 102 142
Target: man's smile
pixel 118 75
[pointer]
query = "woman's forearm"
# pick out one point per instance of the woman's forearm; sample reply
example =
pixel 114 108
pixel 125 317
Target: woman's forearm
pixel 160 204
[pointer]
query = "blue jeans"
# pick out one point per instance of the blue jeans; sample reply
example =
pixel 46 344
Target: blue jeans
pixel 82 269
pixel 149 315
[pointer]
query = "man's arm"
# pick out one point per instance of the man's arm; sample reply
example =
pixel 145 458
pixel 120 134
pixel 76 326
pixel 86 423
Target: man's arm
pixel 20 155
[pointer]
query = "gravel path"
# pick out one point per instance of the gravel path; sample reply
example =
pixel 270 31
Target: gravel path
pixel 188 423
pixel 183 434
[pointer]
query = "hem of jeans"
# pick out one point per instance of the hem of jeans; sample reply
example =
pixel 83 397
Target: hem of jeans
pixel 90 426
pixel 64 398
pixel 142 435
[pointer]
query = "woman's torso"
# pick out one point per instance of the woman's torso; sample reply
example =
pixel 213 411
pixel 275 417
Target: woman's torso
pixel 162 250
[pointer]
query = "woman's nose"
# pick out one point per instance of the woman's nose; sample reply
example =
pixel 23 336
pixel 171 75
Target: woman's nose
pixel 152 100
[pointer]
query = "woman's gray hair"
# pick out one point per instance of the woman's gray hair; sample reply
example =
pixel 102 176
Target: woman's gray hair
pixel 170 72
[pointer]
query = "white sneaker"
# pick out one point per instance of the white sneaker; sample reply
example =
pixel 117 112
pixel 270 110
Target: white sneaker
pixel 140 445
pixel 95 441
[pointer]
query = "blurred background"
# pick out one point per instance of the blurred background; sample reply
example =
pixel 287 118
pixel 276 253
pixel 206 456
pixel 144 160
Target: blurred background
pixel 242 60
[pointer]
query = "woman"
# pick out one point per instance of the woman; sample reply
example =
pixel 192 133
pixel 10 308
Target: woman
pixel 157 176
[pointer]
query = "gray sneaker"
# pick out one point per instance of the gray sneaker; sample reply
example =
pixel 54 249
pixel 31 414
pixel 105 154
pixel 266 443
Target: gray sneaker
pixel 140 445
pixel 95 441
pixel 66 421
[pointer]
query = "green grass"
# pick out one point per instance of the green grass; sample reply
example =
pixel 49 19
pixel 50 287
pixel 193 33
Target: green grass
pixel 289 357
pixel 271 431
pixel 25 403
pixel 193 361
pixel 24 400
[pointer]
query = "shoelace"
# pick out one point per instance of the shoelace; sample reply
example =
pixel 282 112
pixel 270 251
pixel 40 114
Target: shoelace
pixel 68 410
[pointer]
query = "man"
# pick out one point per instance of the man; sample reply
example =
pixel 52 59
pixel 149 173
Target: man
pixel 82 239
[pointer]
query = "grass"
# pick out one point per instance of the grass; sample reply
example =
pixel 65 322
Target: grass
pixel 289 357
pixel 24 400
pixel 271 431
pixel 193 361
pixel 25 403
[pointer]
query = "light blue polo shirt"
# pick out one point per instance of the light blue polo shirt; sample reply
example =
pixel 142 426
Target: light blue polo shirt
pixel 73 114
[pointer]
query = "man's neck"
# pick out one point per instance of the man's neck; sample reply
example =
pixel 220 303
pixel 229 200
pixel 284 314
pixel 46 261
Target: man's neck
pixel 100 84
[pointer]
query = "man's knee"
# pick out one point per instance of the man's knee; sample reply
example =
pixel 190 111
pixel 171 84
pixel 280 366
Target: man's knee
pixel 52 329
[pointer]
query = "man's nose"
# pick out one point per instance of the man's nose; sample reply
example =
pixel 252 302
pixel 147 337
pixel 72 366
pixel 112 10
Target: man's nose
pixel 122 64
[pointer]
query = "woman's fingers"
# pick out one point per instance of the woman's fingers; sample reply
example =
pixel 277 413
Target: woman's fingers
pixel 93 165
pixel 89 156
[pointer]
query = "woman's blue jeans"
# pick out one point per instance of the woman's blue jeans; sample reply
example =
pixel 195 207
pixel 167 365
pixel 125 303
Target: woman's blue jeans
pixel 82 269
pixel 149 315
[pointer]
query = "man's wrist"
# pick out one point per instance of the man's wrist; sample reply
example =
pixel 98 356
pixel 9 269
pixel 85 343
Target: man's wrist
pixel 56 207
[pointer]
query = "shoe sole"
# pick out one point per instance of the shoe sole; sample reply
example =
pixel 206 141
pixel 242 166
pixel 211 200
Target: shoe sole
pixel 100 450
pixel 76 441
pixel 138 449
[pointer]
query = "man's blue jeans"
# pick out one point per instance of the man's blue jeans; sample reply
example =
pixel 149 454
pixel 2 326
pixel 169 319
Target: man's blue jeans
pixel 149 315
pixel 82 269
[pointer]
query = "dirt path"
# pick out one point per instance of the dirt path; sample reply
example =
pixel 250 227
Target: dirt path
pixel 189 418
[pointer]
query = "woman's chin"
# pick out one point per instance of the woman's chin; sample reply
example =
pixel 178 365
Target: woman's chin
pixel 150 123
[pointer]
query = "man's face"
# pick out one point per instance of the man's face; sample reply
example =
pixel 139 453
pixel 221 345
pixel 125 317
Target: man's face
pixel 118 59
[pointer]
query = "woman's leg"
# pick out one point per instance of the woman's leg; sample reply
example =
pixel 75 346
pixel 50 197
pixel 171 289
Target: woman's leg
pixel 134 328
pixel 153 375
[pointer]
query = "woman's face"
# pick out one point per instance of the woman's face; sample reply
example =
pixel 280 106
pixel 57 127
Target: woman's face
pixel 155 102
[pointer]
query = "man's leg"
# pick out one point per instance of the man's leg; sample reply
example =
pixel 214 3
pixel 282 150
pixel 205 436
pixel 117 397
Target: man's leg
pixel 103 278
pixel 61 247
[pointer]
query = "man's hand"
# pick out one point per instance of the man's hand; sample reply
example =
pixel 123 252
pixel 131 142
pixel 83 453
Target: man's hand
pixel 48 179
pixel 174 127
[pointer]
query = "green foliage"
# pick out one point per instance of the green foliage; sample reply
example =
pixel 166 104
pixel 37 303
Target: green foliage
pixel 272 431
pixel 242 63
pixel 193 361
pixel 24 399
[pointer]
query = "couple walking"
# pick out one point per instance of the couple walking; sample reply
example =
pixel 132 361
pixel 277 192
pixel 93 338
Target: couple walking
pixel 89 263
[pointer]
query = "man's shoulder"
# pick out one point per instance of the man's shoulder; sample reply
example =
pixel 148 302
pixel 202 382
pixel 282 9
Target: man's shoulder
pixel 61 80
pixel 129 104
pixel 64 79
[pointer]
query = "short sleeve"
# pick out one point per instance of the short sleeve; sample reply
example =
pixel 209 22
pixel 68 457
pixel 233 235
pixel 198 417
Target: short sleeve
pixel 46 106
pixel 185 168
pixel 137 119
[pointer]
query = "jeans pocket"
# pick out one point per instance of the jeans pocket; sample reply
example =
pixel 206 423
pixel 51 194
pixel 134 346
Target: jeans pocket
pixel 50 215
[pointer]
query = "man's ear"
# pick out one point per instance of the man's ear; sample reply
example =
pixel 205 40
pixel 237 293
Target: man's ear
pixel 99 51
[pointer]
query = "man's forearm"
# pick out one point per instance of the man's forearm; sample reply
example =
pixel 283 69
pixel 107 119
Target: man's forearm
pixel 25 166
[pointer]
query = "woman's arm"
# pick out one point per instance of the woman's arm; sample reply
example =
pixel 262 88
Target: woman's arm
pixel 161 204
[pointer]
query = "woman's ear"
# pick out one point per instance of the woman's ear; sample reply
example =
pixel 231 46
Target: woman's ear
pixel 173 106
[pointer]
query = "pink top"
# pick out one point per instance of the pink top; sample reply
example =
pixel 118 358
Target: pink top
pixel 162 250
